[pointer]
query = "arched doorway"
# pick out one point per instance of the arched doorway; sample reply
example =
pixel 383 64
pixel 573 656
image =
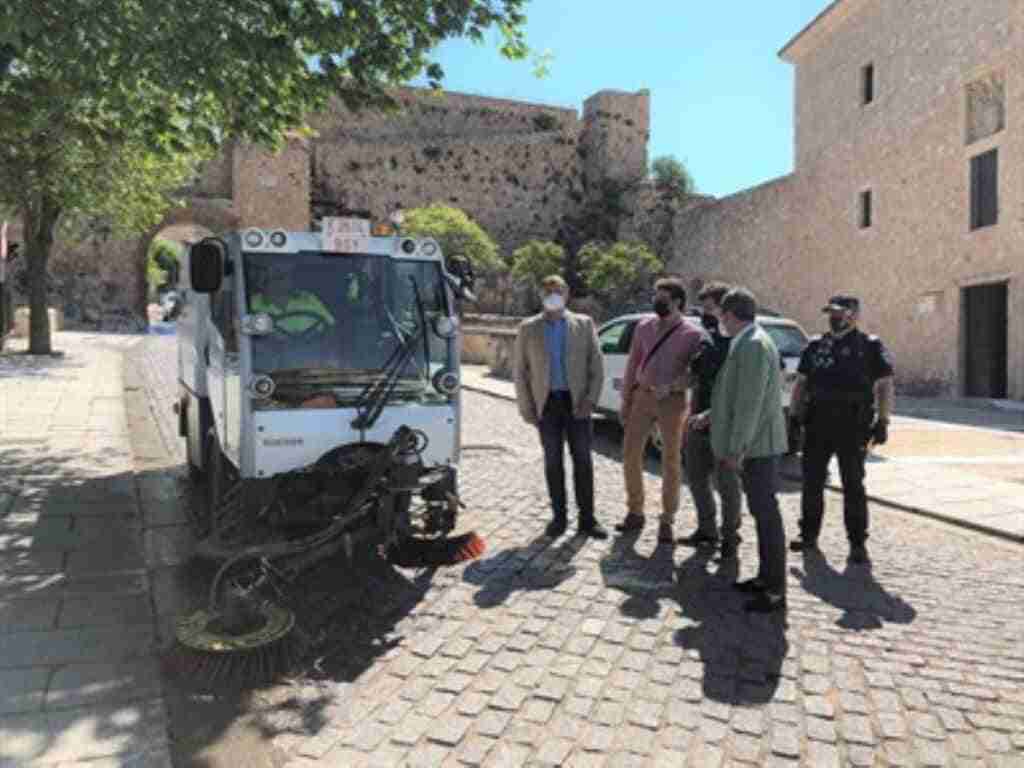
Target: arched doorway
pixel 184 225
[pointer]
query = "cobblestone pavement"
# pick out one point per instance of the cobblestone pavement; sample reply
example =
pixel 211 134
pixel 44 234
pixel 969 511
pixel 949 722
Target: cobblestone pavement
pixel 625 653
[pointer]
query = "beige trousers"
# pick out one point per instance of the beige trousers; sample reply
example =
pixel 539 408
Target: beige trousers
pixel 645 411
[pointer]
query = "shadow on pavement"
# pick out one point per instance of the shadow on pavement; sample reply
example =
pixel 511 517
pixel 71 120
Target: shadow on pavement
pixel 536 565
pixel 77 678
pixel 865 603
pixel 740 655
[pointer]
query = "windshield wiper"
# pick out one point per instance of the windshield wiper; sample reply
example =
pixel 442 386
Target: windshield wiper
pixel 371 401
pixel 423 324
pixel 376 395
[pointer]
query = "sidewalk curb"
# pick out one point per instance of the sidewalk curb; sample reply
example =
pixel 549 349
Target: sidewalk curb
pixel 948 519
pixel 489 392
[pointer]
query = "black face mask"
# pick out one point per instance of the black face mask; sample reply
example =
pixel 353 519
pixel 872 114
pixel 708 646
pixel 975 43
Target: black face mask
pixel 710 322
pixel 838 324
pixel 662 308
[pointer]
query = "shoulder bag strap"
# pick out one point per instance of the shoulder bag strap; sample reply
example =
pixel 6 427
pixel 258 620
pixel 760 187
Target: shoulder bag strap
pixel 657 345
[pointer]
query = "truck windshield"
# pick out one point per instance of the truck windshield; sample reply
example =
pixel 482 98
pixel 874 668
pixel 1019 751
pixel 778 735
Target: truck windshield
pixel 339 318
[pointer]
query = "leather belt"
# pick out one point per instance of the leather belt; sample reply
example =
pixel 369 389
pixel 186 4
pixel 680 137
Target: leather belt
pixel 648 388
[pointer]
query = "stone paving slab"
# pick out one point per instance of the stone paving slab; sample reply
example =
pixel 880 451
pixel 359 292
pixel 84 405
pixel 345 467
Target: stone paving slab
pixel 79 683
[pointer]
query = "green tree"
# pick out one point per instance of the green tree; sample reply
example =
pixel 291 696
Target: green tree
pixel 456 233
pixel 107 104
pixel 161 263
pixel 670 175
pixel 534 261
pixel 617 273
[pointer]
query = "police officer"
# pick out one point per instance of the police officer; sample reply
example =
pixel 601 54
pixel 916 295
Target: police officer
pixel 843 396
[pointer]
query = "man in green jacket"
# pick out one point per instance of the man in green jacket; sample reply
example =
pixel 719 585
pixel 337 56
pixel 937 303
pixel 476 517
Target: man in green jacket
pixel 748 435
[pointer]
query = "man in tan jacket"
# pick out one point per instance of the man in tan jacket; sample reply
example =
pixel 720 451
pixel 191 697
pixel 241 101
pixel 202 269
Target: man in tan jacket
pixel 559 372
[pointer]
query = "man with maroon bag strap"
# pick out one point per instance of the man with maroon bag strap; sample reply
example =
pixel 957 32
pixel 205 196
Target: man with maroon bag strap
pixel 654 391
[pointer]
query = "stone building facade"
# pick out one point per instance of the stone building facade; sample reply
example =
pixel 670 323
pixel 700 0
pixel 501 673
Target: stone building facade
pixel 907 190
pixel 518 169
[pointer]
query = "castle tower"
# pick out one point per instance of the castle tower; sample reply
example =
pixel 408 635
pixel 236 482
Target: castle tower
pixel 272 189
pixel 616 129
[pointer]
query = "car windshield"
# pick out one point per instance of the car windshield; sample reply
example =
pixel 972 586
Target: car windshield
pixel 789 339
pixel 340 318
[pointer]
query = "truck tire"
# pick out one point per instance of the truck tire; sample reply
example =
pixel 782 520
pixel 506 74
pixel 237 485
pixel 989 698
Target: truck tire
pixel 216 473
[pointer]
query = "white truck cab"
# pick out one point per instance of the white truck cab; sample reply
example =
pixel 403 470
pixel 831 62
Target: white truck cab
pixel 298 350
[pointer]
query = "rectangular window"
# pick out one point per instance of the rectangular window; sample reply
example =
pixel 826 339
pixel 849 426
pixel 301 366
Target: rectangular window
pixel 867 84
pixel 985 189
pixel 865 209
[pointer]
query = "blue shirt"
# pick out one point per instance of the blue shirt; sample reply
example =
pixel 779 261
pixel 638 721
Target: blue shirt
pixel 554 345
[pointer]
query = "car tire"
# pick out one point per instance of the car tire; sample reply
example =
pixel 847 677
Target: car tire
pixel 655 442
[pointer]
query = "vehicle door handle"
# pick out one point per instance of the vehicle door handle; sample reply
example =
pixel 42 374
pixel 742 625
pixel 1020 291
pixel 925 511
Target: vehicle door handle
pixel 206 354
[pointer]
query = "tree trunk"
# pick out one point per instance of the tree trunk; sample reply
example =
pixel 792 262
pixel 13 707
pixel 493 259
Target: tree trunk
pixel 40 221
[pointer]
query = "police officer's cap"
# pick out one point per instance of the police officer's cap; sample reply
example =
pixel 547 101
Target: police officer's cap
pixel 842 303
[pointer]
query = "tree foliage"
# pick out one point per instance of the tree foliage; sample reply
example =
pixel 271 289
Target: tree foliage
pixel 670 175
pixel 534 261
pixel 456 233
pixel 616 273
pixel 107 104
pixel 161 263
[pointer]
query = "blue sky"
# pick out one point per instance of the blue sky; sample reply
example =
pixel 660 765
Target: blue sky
pixel 721 99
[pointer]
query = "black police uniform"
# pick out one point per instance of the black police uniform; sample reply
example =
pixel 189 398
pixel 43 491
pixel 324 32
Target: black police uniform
pixel 841 373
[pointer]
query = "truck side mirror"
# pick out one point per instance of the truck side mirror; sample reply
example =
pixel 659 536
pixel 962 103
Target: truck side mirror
pixel 206 266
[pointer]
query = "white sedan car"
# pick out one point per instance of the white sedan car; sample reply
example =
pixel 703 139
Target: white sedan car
pixel 616 336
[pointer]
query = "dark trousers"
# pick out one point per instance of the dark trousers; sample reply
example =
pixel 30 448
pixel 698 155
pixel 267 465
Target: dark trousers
pixel 838 431
pixel 557 426
pixel 760 484
pixel 700 468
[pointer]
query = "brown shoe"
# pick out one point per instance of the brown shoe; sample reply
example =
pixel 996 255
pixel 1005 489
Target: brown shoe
pixel 630 523
pixel 665 534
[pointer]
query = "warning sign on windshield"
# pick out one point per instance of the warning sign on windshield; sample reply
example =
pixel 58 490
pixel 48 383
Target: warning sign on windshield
pixel 342 235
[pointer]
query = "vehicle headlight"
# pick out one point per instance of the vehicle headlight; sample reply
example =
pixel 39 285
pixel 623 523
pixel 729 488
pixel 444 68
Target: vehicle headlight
pixel 278 239
pixel 445 382
pixel 429 249
pixel 445 326
pixel 409 246
pixel 254 238
pixel 259 324
pixel 262 386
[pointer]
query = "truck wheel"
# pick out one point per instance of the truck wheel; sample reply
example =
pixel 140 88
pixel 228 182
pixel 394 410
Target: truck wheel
pixel 216 473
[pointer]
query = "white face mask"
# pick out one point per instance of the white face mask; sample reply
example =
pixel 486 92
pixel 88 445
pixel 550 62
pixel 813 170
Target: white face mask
pixel 553 302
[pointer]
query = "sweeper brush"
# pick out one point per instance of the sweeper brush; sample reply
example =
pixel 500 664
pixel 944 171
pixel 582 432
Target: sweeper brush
pixel 434 553
pixel 246 643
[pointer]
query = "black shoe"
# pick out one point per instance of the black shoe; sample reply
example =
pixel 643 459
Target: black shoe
pixel 555 528
pixel 765 602
pixel 630 523
pixel 859 554
pixel 698 539
pixel 594 531
pixel 728 551
pixel 750 586
pixel 802 545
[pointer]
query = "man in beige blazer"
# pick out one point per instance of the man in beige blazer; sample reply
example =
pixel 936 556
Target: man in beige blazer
pixel 559 373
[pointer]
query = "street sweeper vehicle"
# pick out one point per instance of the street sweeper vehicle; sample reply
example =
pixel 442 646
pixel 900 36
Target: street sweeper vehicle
pixel 320 406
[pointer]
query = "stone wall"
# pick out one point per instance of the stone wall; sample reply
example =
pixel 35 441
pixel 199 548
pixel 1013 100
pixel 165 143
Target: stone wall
pixel 518 169
pixel 798 239
pixel 515 187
